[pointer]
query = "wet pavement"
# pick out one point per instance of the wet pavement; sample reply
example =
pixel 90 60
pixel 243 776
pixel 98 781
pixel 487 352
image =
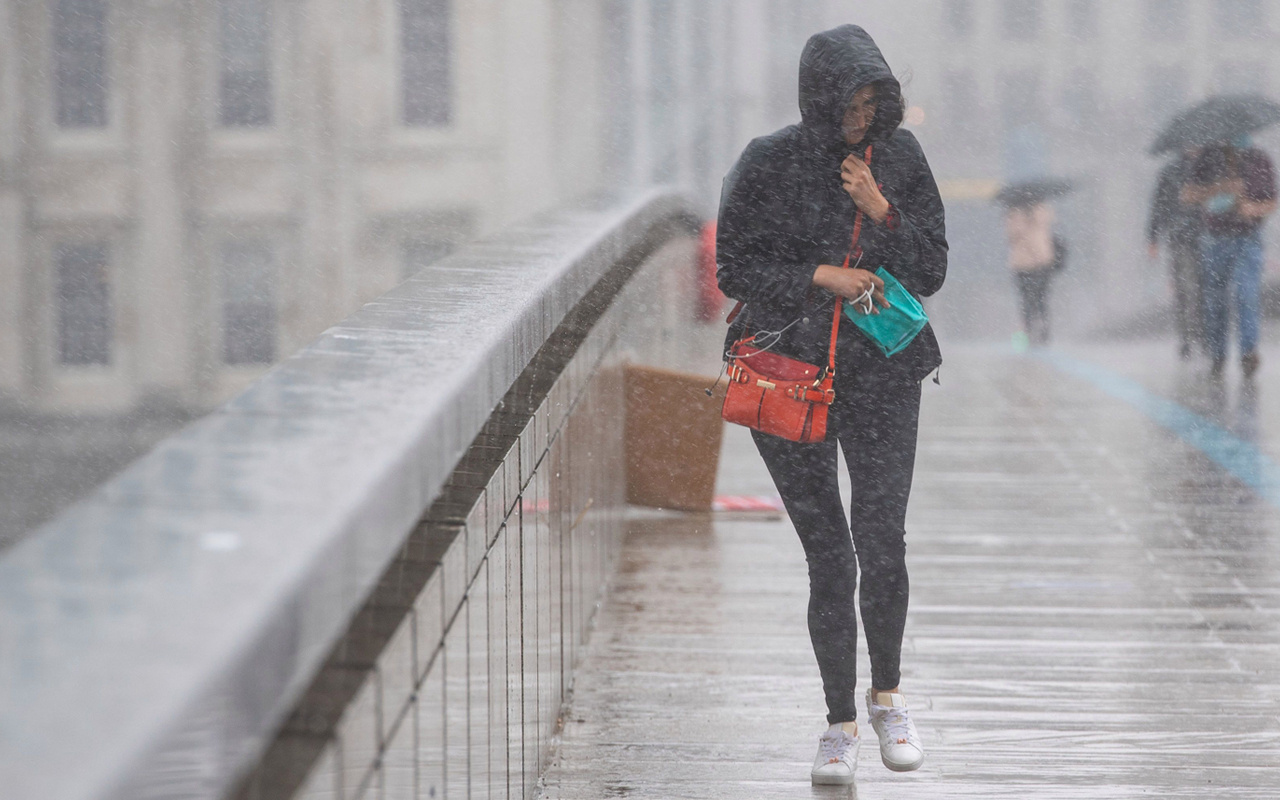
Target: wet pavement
pixel 1094 548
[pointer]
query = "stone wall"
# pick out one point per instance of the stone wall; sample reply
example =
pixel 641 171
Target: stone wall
pixel 452 678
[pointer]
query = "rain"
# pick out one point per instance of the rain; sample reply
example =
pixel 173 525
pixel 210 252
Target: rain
pixel 296 295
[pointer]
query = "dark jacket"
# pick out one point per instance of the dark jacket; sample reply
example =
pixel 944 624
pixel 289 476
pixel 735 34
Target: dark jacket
pixel 1253 167
pixel 783 211
pixel 1171 219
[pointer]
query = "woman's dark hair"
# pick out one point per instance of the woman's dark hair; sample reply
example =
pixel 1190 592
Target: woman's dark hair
pixel 1219 161
pixel 890 107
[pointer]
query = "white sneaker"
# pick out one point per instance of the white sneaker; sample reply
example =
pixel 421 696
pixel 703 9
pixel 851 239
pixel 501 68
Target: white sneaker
pixel 837 754
pixel 900 746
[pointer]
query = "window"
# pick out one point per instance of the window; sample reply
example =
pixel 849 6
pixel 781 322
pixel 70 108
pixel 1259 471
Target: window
pixel 1082 19
pixel 425 75
pixel 1080 99
pixel 83 303
pixel 1242 77
pixel 702 160
pixel 79 43
pixel 1239 19
pixel 1021 19
pixel 959 18
pixel 664 100
pixel 960 104
pixel 1165 20
pixel 244 63
pixel 622 108
pixel 1020 99
pixel 248 302
pixel 1167 90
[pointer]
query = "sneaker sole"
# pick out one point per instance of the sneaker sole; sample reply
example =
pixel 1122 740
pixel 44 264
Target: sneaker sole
pixel 912 767
pixel 836 780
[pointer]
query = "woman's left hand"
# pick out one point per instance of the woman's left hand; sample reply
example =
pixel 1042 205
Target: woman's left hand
pixel 861 186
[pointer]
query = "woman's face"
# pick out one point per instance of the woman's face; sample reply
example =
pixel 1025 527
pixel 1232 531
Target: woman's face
pixel 859 115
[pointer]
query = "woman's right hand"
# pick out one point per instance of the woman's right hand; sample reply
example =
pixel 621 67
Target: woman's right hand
pixel 851 284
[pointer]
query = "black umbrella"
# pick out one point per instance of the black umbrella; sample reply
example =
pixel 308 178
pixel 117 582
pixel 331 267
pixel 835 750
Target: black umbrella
pixel 1218 119
pixel 1030 192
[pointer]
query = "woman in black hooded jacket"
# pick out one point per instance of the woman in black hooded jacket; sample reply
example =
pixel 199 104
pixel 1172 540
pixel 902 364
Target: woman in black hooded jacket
pixel 786 221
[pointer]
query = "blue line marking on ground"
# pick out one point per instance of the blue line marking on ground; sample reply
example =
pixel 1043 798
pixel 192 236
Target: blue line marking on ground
pixel 1241 459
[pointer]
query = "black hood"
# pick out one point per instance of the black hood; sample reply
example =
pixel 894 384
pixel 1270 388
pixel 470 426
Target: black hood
pixel 837 63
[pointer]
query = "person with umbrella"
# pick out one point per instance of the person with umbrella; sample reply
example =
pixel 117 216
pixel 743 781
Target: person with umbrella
pixel 1179 225
pixel 1034 252
pixel 1235 185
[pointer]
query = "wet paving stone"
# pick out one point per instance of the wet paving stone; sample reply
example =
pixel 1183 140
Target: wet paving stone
pixel 1095 610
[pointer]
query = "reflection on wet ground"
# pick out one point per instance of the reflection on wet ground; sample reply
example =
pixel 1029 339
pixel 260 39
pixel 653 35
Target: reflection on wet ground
pixel 1094 607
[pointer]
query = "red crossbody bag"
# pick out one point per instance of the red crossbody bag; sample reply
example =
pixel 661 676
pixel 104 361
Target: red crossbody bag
pixel 778 395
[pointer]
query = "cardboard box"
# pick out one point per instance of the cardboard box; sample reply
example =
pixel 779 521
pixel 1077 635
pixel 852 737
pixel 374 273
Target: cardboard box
pixel 672 437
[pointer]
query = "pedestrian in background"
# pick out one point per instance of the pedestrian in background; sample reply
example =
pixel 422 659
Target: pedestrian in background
pixel 787 221
pixel 1029 227
pixel 1179 225
pixel 1235 186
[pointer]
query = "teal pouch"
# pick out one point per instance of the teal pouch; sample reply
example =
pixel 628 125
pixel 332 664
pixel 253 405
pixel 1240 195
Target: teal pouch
pixel 895 327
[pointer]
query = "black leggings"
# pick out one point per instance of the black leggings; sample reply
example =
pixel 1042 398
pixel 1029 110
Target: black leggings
pixel 876 428
pixel 1033 288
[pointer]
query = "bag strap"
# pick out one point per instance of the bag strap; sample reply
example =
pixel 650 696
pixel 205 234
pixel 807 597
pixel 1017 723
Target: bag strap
pixel 835 321
pixel 853 246
pixel 737 309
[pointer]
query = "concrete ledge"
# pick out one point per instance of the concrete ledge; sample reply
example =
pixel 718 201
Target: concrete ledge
pixel 155 634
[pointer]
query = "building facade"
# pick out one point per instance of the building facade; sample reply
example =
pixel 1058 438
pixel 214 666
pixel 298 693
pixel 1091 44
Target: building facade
pixel 191 189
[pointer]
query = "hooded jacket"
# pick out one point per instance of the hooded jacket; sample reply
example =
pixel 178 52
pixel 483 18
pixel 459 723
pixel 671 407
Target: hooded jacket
pixel 784 211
